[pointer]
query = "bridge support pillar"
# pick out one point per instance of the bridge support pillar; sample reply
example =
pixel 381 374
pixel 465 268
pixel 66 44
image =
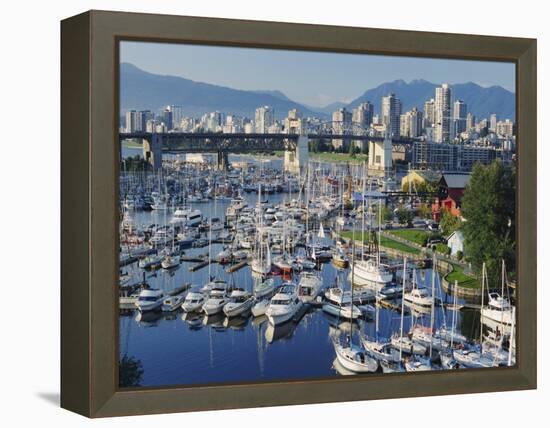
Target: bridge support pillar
pixel 295 161
pixel 380 157
pixel 223 161
pixel 152 151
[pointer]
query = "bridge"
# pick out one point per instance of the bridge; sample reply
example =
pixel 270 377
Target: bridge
pixel 154 144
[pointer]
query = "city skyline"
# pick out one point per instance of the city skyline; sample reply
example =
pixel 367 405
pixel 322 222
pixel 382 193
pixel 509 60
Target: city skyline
pixel 296 73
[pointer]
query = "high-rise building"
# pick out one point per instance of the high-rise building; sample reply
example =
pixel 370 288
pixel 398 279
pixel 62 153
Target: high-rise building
pixel 493 122
pixel 177 115
pixel 505 128
pixel 141 120
pixel 460 111
pixel 391 114
pixel 362 115
pixel 263 119
pixel 442 113
pixel 340 118
pixel 411 123
pixel 429 113
pixel 131 120
pixel 293 122
pixel 470 122
pixel 167 118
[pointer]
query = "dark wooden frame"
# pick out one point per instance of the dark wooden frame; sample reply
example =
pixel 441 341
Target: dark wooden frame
pixel 89 228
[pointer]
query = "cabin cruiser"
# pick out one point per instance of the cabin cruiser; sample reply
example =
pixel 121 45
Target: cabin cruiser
pixel 186 217
pixel 264 288
pixel 170 262
pixel 149 300
pixel 369 273
pixel 194 300
pixel 283 305
pixel 240 301
pixel 338 303
pixel 259 308
pixel 150 261
pixel 498 313
pixel 217 298
pixel 171 303
pixel 309 287
pixel 418 297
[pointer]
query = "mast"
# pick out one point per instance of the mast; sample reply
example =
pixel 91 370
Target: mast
pixel 483 275
pixel 402 312
pixel 434 270
pixel 455 314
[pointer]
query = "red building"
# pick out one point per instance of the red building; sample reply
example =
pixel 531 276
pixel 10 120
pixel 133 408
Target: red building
pixel 451 190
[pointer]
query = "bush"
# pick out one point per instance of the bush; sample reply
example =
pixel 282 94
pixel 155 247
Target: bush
pixel 459 255
pixel 448 251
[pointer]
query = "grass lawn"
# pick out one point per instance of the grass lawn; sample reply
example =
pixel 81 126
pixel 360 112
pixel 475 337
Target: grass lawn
pixel 338 157
pixel 463 280
pixel 132 144
pixel 384 242
pixel 413 235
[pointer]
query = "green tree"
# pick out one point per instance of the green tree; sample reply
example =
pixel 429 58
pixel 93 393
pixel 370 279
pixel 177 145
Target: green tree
pixel 449 223
pixel 424 211
pixel 387 214
pixel 488 206
pixel 405 216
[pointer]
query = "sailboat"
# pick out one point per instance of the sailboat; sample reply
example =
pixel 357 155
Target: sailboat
pixel 350 356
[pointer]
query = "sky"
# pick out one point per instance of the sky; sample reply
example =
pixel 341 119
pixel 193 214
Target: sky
pixel 312 78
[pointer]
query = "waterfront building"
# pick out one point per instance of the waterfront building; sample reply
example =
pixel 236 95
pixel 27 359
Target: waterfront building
pixel 442 113
pixel 450 193
pixel 450 157
pixel 455 242
pixel 341 118
pixel 263 119
pixel 391 114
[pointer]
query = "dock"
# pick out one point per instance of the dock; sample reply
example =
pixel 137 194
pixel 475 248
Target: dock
pixel 236 267
pixel 200 265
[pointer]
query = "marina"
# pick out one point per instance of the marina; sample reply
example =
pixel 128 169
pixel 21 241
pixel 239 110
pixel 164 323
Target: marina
pixel 246 275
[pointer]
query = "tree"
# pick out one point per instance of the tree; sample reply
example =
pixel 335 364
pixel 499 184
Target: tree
pixel 449 223
pixel 387 214
pixel 424 211
pixel 488 206
pixel 405 216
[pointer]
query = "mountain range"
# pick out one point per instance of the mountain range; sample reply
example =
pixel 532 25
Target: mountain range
pixel 142 90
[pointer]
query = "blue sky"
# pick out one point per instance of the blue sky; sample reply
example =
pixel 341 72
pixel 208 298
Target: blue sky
pixel 313 78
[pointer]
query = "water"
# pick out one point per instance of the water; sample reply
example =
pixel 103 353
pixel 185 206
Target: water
pixel 174 350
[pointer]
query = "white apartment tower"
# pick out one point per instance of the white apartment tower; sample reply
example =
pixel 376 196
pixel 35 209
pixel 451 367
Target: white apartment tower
pixel 263 119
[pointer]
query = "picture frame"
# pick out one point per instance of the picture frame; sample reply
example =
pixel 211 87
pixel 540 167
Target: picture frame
pixel 89 216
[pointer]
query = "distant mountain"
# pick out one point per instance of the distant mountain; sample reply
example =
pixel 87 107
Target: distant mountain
pixel 141 90
pixel 480 101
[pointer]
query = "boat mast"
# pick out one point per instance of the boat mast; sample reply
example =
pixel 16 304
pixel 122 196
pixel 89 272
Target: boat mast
pixel 402 312
pixel 483 276
pixel 434 270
